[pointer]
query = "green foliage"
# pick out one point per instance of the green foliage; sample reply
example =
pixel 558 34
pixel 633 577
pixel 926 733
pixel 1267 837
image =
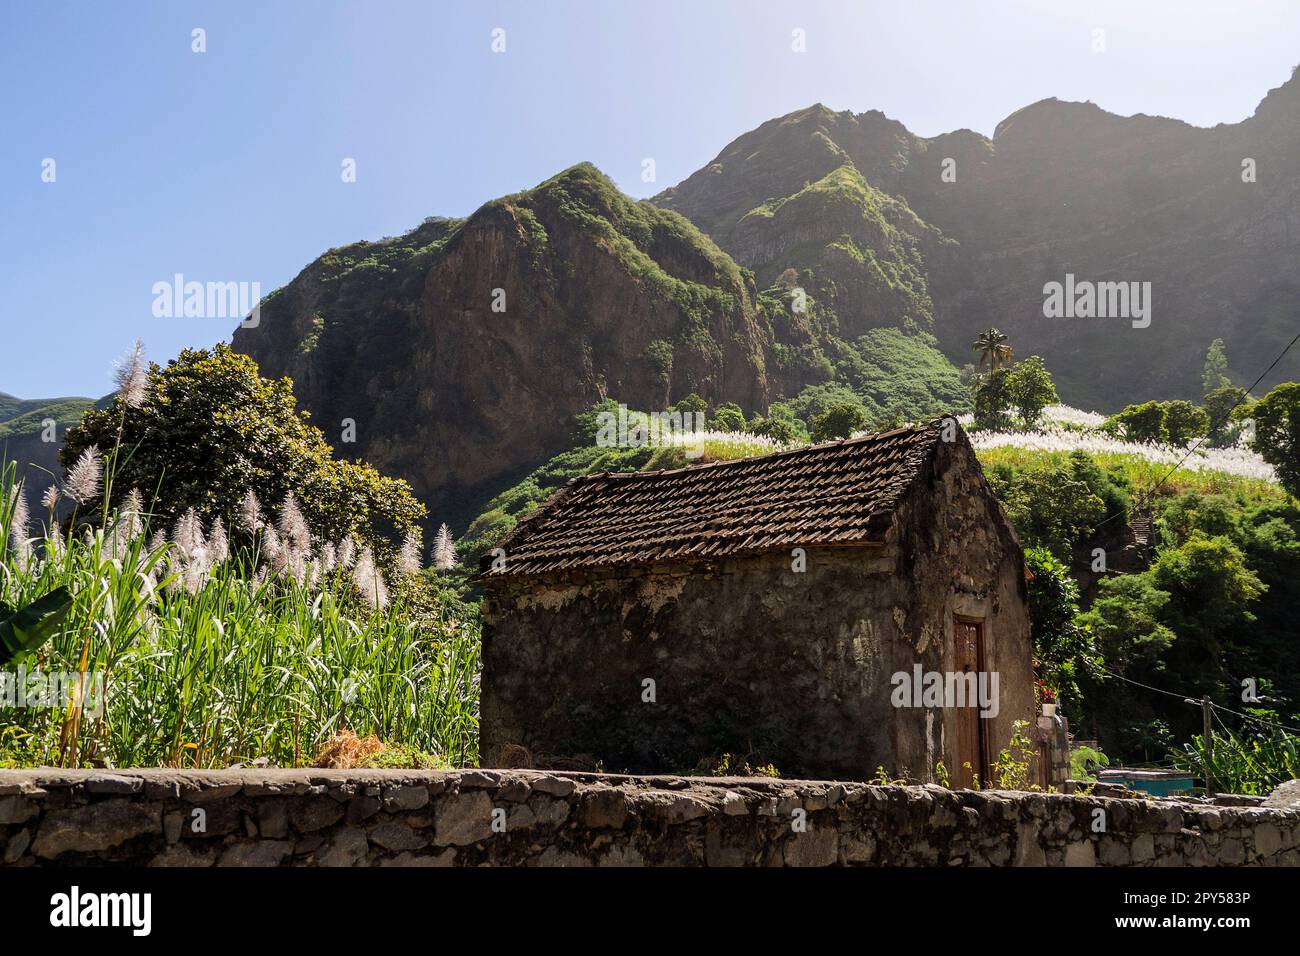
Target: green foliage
pixel 235 667
pixel 659 354
pixel 692 403
pixel 816 400
pixel 781 425
pixel 1031 389
pixel 1050 504
pixel 1254 763
pixel 1183 422
pixel 1144 422
pixel 839 421
pixel 1011 766
pixel 993 349
pixel 1220 403
pixel 992 399
pixel 900 375
pixel 403 757
pixel 1212 591
pixel 890 375
pixel 1125 621
pixel 1215 373
pixel 736 765
pixel 1083 760
pixel 24 629
pixel 1277 432
pixel 31 422
pixel 1173 423
pixel 1063 647
pixel 729 417
pixel 211 429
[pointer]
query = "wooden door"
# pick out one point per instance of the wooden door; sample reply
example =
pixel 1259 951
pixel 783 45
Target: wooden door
pixel 972 748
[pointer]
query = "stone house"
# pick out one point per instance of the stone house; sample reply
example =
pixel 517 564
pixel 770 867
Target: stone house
pixel 820 609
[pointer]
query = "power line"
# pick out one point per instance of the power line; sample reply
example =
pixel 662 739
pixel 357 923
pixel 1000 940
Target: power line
pixel 1270 723
pixel 1214 426
pixel 1167 693
pixel 1192 450
pixel 1189 699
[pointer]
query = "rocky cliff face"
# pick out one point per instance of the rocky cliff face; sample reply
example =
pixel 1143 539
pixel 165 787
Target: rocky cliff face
pixel 1061 188
pixel 463 349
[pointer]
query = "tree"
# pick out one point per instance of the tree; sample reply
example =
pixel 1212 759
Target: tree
pixel 729 417
pixel 1063 648
pixel 209 429
pixel 1140 423
pixel 1049 505
pixel 992 399
pixel 1220 404
pixel 838 421
pixel 1277 432
pixel 691 403
pixel 1031 389
pixel 1215 374
pixel 780 425
pixel 1182 422
pixel 1125 620
pixel 993 349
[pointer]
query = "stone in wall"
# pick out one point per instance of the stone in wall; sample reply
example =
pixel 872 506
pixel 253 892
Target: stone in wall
pixel 534 818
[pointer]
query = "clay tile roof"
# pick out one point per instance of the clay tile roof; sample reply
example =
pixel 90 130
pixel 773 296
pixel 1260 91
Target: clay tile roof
pixel 842 492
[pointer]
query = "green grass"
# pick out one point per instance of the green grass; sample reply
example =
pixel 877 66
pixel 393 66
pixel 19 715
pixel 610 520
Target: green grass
pixel 238 670
pixel 1142 473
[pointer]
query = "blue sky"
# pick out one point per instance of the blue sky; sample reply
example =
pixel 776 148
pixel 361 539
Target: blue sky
pixel 225 165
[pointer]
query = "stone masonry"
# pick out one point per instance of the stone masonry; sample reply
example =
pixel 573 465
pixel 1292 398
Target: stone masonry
pixel 534 818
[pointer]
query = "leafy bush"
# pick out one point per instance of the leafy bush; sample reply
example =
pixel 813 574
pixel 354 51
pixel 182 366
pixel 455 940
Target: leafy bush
pixel 1144 422
pixel 1063 647
pixel 1183 422
pixel 1030 388
pixel 209 429
pixel 1277 432
pixel 839 421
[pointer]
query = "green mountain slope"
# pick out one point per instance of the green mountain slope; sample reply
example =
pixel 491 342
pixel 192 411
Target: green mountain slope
pixel 462 350
pixel 24 426
pixel 969 230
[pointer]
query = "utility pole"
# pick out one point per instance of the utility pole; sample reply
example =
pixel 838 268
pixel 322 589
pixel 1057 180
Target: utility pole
pixel 1208 739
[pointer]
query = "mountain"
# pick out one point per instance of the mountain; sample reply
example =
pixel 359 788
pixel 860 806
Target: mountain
pixel 820 253
pixel 596 295
pixel 1060 188
pixel 25 426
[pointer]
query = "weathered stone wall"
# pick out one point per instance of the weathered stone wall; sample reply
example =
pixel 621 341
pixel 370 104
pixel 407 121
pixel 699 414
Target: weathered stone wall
pixel 747 657
pixel 403 818
pixel 750 656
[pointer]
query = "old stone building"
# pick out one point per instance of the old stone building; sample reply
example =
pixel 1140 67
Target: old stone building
pixel 802 608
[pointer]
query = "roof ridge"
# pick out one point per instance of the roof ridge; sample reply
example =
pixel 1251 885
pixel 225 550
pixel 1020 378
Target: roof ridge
pixel 750 459
pixel 837 492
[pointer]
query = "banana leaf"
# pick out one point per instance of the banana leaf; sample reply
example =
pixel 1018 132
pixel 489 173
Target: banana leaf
pixel 25 629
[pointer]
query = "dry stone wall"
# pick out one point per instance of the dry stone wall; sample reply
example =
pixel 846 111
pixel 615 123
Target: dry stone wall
pixel 519 817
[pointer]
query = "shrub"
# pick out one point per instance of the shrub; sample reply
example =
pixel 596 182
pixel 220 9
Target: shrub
pixel 209 429
pixel 839 421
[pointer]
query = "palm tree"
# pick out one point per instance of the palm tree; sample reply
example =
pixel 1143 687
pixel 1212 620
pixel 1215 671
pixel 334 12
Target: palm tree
pixel 993 348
